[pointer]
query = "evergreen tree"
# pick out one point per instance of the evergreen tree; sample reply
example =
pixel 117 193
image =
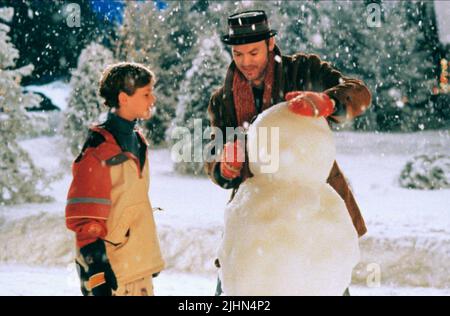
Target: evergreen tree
pixel 390 58
pixel 397 74
pixel 207 74
pixel 20 180
pixel 436 112
pixel 395 60
pixel 346 37
pixel 300 26
pixel 43 37
pixel 85 104
pixel 165 40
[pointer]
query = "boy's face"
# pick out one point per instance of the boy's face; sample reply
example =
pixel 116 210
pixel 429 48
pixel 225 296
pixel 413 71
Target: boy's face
pixel 252 59
pixel 139 105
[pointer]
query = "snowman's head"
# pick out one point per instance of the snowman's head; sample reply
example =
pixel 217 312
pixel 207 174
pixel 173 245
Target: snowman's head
pixel 285 146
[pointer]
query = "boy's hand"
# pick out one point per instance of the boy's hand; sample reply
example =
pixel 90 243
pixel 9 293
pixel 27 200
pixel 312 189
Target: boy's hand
pixel 308 103
pixel 102 279
pixel 232 160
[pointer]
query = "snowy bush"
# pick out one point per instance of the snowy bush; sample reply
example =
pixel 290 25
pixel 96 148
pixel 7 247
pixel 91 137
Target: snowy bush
pixel 426 172
pixel 85 104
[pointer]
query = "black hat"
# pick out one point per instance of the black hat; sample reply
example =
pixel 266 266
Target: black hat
pixel 247 27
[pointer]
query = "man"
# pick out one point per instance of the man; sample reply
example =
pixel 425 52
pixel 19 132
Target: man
pixel 259 77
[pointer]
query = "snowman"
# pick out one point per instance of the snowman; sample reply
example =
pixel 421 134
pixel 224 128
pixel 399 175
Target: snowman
pixel 287 232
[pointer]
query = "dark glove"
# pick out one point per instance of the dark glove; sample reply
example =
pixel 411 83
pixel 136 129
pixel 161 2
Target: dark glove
pixel 101 276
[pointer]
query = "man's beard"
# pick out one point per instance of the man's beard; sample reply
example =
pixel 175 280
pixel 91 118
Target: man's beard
pixel 260 78
pixel 262 74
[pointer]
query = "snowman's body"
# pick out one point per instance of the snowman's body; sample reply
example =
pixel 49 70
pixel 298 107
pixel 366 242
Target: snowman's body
pixel 289 232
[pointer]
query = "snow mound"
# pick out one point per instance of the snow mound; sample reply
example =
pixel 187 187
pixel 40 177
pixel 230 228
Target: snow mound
pixel 42 239
pixel 57 91
pixel 406 259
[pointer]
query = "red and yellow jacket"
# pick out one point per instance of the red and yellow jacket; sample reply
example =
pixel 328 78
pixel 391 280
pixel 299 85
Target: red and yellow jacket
pixel 108 199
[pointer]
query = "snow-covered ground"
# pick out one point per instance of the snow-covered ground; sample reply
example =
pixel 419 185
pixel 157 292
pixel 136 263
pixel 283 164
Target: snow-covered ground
pixel 406 251
pixel 408 239
pixel 26 280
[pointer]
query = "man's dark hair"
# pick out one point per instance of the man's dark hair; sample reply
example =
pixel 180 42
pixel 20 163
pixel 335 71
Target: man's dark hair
pixel 123 77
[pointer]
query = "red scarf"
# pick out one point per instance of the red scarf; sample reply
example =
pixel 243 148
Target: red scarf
pixel 244 101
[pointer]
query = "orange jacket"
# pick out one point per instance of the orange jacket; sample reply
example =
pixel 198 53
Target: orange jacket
pixel 108 199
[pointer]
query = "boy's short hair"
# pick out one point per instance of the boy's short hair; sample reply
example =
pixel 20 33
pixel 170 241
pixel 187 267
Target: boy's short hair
pixel 123 77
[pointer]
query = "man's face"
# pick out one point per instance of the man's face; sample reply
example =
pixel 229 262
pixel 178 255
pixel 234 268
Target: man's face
pixel 252 59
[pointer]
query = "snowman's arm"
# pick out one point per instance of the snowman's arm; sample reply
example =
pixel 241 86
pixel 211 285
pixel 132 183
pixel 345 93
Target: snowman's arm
pixel 218 130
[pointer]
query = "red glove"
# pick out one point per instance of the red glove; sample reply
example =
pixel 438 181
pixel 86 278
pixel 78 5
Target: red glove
pixel 310 103
pixel 232 160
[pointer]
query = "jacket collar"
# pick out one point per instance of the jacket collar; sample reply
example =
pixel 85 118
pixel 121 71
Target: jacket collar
pixel 119 124
pixel 109 149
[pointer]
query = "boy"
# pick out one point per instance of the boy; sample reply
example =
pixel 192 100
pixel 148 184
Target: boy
pixel 108 206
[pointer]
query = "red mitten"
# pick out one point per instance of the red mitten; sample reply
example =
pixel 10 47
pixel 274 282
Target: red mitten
pixel 310 103
pixel 290 95
pixel 232 160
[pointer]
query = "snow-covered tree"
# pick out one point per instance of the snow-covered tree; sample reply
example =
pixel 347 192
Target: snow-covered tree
pixel 389 58
pixel 47 37
pixel 393 59
pixel 398 74
pixel 300 23
pixel 85 104
pixel 20 180
pixel 403 70
pixel 207 74
pixel 164 40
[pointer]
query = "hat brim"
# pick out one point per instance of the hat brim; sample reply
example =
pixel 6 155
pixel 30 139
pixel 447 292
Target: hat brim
pixel 240 40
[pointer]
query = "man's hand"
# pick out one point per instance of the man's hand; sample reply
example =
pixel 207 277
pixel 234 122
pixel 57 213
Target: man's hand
pixel 308 103
pixel 102 279
pixel 232 160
